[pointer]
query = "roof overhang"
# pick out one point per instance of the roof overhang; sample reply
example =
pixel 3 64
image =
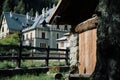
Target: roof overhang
pixel 73 12
pixel 89 24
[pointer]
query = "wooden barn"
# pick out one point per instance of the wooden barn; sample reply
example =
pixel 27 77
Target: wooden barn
pixel 87 45
pixel 79 14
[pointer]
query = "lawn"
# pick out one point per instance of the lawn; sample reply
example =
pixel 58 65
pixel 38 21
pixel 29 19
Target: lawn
pixel 30 63
pixel 42 76
pixel 29 77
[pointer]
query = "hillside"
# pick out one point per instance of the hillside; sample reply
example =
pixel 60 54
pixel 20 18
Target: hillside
pixel 23 6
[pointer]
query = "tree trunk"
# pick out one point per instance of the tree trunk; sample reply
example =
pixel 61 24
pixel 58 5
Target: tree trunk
pixel 108 42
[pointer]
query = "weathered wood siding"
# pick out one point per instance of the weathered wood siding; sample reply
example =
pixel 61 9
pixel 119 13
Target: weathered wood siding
pixel 87 51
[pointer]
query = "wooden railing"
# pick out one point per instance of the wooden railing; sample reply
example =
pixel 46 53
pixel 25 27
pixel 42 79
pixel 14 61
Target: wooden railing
pixel 18 53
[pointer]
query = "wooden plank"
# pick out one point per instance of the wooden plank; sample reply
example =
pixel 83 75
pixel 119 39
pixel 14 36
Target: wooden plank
pixel 87 51
pixel 8 58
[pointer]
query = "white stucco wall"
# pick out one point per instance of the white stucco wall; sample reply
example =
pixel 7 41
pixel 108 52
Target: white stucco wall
pixel 6 30
pixel 50 35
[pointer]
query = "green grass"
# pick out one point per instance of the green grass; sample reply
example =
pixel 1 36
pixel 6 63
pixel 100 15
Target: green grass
pixel 41 76
pixel 29 63
pixel 7 64
pixel 29 77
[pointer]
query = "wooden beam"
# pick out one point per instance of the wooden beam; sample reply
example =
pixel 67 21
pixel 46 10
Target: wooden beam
pixel 87 25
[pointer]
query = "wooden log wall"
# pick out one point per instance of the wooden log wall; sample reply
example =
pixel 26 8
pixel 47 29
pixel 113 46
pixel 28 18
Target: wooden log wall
pixel 87 45
pixel 87 51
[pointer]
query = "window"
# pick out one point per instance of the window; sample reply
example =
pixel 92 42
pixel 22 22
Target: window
pixel 30 36
pixel 57 46
pixel 65 27
pixel 43 45
pixel 57 26
pixel 23 37
pixel 57 35
pixel 43 35
pixel 2 29
pixel 62 44
pixel 26 36
pixel 44 24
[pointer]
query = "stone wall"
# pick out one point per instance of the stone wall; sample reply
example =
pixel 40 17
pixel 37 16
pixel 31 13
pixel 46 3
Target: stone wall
pixel 74 53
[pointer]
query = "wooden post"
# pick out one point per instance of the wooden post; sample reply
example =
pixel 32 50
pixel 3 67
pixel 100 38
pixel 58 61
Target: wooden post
pixel 47 57
pixel 20 50
pixel 66 59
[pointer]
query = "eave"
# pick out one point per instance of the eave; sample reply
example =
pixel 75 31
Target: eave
pixel 73 12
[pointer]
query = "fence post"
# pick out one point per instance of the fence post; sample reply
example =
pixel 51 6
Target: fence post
pixel 47 57
pixel 20 50
pixel 66 59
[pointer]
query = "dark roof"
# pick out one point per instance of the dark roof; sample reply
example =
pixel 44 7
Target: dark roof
pixel 16 21
pixel 41 20
pixel 74 11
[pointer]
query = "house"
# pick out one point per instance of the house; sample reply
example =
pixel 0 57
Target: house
pixel 41 34
pixel 63 42
pixel 83 33
pixel 36 32
pixel 12 22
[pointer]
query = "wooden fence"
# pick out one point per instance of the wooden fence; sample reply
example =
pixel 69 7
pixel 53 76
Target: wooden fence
pixel 18 53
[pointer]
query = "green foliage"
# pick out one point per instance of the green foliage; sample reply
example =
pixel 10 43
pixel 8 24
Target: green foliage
pixel 12 39
pixel 23 6
pixel 6 6
pixel 20 8
pixel 30 63
pixel 7 64
pixel 55 1
pixel 1 4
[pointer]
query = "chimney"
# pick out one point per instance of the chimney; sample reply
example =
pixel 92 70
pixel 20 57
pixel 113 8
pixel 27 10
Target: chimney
pixel 27 16
pixel 36 14
pixel 46 9
pixel 43 12
pixel 11 14
pixel 53 5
